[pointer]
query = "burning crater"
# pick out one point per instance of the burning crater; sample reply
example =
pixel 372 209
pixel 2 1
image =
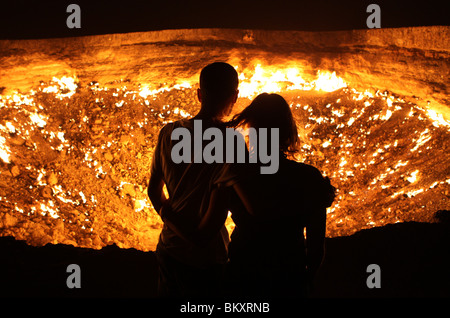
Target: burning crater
pixel 79 118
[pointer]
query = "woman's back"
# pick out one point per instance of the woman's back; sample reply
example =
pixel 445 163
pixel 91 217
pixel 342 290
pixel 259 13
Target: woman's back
pixel 283 200
pixel 271 243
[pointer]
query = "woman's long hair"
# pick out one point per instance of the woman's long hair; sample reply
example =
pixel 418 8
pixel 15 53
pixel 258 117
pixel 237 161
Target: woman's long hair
pixel 271 111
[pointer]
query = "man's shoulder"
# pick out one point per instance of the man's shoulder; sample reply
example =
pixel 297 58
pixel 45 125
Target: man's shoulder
pixel 177 123
pixel 190 124
pixel 169 127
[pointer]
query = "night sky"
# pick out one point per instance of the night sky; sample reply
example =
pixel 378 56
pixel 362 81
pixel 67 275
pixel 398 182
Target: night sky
pixel 46 19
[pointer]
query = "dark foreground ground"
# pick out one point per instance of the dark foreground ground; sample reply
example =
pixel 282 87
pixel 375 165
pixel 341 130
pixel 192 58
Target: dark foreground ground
pixel 414 259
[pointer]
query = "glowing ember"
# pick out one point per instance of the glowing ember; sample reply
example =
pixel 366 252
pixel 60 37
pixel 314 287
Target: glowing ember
pixel 438 119
pixel 329 82
pixel 64 87
pixel 146 91
pixel 413 177
pixel 276 79
pixel 38 120
pixel 4 150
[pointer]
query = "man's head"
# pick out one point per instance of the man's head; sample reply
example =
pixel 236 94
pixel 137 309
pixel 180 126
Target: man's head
pixel 218 89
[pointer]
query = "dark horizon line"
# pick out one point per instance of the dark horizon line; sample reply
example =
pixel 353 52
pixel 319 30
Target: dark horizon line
pixel 47 19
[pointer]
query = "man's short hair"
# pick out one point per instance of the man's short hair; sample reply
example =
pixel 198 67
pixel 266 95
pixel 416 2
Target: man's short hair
pixel 218 82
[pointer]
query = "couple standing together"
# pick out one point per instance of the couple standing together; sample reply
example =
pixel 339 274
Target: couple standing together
pixel 268 255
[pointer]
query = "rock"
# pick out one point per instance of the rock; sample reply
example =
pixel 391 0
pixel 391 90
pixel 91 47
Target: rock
pixel 109 156
pixel 81 217
pixel 96 128
pixel 37 233
pixel 137 205
pixel 124 139
pixel 74 213
pixel 59 226
pixel 57 230
pixel 15 171
pixel 5 173
pixel 128 189
pixel 70 242
pixel 17 140
pixel 47 192
pixel 97 241
pixel 29 143
pixel 9 220
pixel 52 179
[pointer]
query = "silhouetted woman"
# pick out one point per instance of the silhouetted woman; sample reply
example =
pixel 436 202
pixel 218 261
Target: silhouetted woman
pixel 269 253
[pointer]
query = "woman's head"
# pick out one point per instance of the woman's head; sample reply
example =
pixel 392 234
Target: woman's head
pixel 271 111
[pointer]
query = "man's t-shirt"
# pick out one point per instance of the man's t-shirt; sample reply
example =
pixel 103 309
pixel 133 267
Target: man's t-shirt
pixel 189 186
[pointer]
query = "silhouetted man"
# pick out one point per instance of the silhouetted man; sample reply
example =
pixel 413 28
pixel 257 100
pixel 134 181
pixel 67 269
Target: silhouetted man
pixel 187 269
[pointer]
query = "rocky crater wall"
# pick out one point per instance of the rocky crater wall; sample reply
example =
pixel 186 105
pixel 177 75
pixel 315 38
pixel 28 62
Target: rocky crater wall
pixel 413 62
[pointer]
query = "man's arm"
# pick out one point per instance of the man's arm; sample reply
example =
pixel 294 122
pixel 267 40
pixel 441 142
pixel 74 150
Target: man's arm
pixel 155 191
pixel 155 186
